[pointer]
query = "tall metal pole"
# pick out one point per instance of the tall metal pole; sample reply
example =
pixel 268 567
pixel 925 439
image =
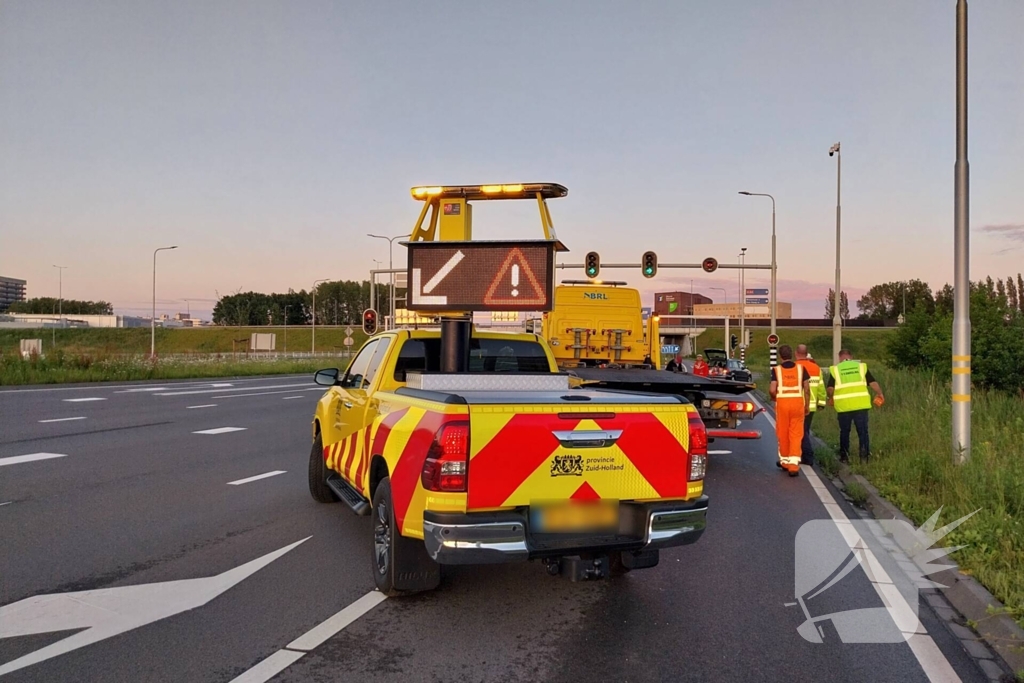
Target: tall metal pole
pixel 285 328
pixel 774 308
pixel 837 319
pixel 60 295
pixel 743 297
pixel 312 350
pixel 961 258
pixel 152 321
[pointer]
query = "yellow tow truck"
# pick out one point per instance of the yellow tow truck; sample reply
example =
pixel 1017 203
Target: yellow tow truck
pixel 597 333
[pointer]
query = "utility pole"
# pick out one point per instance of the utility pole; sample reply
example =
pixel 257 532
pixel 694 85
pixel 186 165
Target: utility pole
pixel 743 298
pixel 152 321
pixel 961 255
pixel 837 320
pixel 60 295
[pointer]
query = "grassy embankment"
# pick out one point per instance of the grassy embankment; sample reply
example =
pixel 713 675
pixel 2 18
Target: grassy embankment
pixel 912 463
pixel 87 355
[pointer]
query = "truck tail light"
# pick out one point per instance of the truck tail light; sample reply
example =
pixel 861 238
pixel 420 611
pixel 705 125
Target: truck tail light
pixel 447 464
pixel 741 407
pixel 698 447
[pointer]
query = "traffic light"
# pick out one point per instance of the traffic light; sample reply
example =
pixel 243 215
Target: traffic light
pixel 649 264
pixel 733 341
pixel 593 264
pixel 370 321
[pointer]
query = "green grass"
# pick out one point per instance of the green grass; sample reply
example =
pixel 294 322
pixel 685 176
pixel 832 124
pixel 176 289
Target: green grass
pixel 60 367
pixel 135 340
pixel 857 493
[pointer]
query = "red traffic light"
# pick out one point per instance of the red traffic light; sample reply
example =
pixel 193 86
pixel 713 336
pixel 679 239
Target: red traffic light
pixel 370 321
pixel 773 339
pixel 710 264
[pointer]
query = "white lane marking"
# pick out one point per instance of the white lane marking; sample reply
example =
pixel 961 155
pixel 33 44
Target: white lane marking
pixel 205 405
pixel 719 452
pixel 84 400
pixel 265 393
pixel 61 419
pixel 238 482
pixel 107 612
pixel 310 640
pixel 934 664
pixel 100 385
pixel 221 430
pixel 7 503
pixel 221 385
pixel 31 457
pixel 269 667
pixel 288 398
pixel 133 391
pixel 221 389
pixel 319 634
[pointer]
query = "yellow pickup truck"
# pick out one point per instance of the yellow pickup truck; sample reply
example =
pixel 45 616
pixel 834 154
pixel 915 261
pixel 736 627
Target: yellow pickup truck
pixel 504 462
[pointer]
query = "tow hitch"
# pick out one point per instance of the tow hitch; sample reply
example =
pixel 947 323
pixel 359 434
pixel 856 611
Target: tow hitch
pixel 576 568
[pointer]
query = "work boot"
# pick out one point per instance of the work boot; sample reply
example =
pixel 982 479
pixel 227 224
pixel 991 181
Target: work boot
pixel 794 473
pixel 778 463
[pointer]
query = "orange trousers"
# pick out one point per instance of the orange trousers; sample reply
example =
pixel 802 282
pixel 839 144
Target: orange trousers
pixel 789 428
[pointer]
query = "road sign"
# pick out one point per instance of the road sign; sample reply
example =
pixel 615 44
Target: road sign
pixel 349 341
pixel 752 300
pixel 757 292
pixel 348 331
pixel 481 276
pixel 670 348
pixel 710 264
pixel 773 339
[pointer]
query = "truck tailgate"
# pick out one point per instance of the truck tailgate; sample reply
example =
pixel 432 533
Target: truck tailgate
pixel 523 455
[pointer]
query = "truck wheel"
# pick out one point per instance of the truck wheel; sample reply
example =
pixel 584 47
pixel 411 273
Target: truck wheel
pixel 318 474
pixel 385 539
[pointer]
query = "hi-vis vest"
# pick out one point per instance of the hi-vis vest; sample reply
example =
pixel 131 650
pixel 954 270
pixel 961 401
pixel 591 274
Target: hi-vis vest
pixel 790 381
pixel 817 386
pixel 851 390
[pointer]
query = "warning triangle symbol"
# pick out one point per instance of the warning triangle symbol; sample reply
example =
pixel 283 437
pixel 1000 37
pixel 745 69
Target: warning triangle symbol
pixel 538 298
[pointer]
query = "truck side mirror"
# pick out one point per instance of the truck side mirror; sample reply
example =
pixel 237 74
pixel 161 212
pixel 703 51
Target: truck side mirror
pixel 327 378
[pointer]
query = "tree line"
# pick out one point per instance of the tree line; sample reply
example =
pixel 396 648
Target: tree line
pixel 50 304
pixel 925 340
pixel 338 302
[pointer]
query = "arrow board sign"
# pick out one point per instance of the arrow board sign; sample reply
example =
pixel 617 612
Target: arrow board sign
pixel 481 276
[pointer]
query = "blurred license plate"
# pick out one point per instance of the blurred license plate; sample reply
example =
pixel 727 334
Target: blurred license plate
pixel 575 517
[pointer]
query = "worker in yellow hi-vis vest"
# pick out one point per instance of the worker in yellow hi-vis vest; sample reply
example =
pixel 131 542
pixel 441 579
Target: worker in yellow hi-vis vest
pixel 847 390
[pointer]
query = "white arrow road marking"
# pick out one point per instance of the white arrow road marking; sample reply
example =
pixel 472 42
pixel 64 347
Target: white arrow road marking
pixel 221 430
pixel 14 460
pixel 61 419
pixel 238 482
pixel 109 611
pixel 443 273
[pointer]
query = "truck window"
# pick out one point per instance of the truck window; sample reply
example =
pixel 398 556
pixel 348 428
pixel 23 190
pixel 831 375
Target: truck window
pixel 376 360
pixel 357 370
pixel 485 355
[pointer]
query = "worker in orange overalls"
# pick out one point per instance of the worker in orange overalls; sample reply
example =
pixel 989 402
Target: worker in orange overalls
pixel 791 389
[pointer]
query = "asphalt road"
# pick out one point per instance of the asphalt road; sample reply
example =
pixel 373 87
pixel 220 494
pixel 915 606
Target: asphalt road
pixel 139 499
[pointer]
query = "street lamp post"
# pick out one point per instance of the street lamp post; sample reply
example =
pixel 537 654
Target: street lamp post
pixel 724 294
pixel 774 265
pixel 837 320
pixel 961 369
pixel 391 266
pixel 743 299
pixel 60 294
pixel 312 350
pixel 152 321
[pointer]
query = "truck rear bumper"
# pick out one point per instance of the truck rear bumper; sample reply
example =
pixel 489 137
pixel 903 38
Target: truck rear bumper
pixel 496 537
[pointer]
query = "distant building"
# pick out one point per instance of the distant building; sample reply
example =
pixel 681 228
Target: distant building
pixel 783 310
pixel 11 290
pixel 678 303
pixel 48 320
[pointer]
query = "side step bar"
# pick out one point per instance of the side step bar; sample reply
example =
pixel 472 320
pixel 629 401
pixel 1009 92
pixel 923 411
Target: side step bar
pixel 349 495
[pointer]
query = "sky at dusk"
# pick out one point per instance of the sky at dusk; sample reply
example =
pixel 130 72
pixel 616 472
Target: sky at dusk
pixel 265 139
